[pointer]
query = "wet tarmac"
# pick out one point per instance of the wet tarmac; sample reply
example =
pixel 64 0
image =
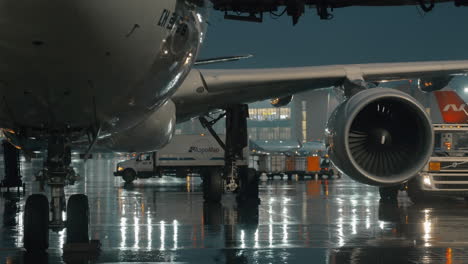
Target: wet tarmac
pixel 312 221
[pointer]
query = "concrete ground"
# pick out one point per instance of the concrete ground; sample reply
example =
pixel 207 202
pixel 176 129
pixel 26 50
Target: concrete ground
pixel 310 221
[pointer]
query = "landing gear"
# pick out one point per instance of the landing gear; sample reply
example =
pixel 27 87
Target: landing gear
pixel 77 219
pixel 236 176
pixel 212 185
pixel 248 186
pixel 389 193
pixel 36 223
pixel 414 191
pixel 57 173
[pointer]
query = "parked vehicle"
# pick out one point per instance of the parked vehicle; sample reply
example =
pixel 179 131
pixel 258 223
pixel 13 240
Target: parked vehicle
pixel 286 166
pixel 446 173
pixel 185 154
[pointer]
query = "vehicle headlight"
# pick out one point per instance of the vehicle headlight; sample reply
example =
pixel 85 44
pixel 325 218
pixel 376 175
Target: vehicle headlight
pixel 427 181
pixel 120 168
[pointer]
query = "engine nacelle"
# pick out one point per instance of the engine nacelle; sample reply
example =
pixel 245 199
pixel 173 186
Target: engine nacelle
pixel 281 101
pixel 151 134
pixel 380 137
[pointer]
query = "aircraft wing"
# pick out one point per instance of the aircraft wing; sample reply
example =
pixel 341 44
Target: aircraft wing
pixel 207 90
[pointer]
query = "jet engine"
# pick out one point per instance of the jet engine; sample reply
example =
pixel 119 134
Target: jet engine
pixel 380 137
pixel 151 134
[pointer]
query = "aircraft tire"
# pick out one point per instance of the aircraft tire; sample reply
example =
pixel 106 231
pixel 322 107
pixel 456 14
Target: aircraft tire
pixel 389 193
pixel 414 192
pixel 212 185
pixel 248 185
pixel 36 223
pixel 78 219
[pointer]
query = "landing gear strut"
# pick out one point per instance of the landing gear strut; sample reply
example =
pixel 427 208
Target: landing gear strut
pixel 57 173
pixel 236 174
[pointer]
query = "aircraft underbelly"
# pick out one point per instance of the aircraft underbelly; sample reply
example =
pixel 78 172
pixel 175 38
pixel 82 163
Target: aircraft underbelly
pixel 74 62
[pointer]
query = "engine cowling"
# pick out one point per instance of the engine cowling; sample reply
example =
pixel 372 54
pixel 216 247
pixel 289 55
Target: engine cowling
pixel 151 134
pixel 380 137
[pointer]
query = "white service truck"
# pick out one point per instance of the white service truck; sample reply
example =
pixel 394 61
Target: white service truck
pixel 446 173
pixel 185 154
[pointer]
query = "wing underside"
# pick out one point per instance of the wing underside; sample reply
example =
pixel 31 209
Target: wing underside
pixel 206 90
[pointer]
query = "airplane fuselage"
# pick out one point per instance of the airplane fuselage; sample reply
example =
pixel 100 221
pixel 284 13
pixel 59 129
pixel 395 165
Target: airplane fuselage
pixel 75 63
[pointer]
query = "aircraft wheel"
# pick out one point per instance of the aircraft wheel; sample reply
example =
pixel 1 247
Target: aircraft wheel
pixel 129 175
pixel 78 219
pixel 248 189
pixel 389 193
pixel 414 192
pixel 212 185
pixel 36 223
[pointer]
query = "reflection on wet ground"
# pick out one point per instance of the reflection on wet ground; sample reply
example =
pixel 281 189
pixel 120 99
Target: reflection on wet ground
pixel 313 221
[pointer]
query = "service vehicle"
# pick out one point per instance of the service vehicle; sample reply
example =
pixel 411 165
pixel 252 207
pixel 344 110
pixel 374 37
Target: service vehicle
pixel 288 165
pixel 446 172
pixel 185 154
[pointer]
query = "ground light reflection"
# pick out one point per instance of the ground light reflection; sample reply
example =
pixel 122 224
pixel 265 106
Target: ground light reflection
pixel 158 221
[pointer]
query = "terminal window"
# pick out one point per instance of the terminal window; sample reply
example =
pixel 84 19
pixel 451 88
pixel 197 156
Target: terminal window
pixel 270 114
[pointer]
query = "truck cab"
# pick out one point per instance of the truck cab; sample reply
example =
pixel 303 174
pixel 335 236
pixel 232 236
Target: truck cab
pixel 143 166
pixel 446 173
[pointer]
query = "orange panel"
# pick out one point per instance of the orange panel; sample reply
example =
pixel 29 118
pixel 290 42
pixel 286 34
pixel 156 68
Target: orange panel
pixel 313 163
pixel 290 164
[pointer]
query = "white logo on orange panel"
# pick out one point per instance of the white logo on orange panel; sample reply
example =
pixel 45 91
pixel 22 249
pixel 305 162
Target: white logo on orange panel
pixel 453 107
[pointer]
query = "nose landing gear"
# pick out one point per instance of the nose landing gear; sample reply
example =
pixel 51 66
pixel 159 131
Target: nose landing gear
pixel 38 219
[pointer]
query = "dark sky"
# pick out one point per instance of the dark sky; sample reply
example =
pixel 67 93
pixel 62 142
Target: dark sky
pixel 355 35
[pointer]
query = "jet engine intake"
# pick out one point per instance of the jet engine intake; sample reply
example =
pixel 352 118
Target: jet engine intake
pixel 380 137
pixel 151 134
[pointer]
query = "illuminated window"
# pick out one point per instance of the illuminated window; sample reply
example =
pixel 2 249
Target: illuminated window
pixel 285 133
pixel 285 113
pixel 253 133
pixel 270 114
pixel 270 133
